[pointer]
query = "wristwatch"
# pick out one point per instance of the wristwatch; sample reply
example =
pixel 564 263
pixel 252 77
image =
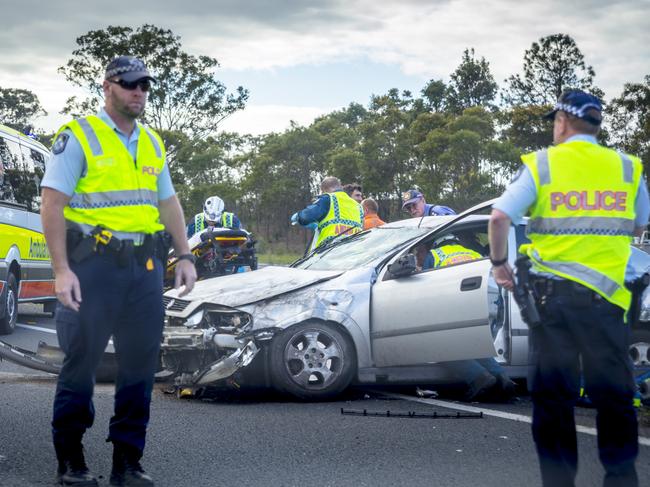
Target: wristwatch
pixel 497 263
pixel 190 257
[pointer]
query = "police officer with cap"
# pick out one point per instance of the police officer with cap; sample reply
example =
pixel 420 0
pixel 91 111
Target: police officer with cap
pixel 414 203
pixel 586 202
pixel 108 209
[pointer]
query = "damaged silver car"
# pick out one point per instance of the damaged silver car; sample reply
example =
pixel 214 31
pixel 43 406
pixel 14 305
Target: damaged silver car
pixel 356 311
pixel 352 311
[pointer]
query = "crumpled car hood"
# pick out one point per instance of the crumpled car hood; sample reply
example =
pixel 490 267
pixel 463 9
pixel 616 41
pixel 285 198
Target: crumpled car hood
pixel 249 287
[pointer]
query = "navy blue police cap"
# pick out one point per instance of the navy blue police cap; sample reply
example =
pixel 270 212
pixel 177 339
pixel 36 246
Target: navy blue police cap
pixel 577 103
pixel 128 68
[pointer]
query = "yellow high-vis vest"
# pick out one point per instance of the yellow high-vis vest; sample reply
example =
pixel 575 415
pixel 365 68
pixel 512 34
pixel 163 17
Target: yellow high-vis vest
pixel 345 216
pixel 227 221
pixel 582 222
pixel 453 254
pixel 116 192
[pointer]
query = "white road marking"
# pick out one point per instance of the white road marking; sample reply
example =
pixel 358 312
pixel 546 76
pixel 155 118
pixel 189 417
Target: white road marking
pixel 37 328
pixel 492 412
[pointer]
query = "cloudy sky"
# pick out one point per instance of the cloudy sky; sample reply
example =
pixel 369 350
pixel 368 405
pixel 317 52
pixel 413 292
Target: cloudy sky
pixel 300 59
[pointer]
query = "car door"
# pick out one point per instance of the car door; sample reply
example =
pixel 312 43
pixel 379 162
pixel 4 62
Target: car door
pixel 433 316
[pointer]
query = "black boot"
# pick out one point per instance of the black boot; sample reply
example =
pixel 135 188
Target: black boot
pixel 72 465
pixel 127 470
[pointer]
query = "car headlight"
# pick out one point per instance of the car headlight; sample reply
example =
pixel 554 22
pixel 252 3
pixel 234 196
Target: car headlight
pixel 221 319
pixel 194 320
pixel 233 322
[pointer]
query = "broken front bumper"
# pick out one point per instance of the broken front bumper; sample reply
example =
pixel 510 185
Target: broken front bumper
pixel 182 349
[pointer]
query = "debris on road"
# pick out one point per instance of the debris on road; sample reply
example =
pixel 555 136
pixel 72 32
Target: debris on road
pixel 426 393
pixel 411 414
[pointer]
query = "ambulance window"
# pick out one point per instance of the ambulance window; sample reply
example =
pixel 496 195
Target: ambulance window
pixel 11 156
pixel 9 163
pixel 27 158
pixel 20 183
pixel 38 159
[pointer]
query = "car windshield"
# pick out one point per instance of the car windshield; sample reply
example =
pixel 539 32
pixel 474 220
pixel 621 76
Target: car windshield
pixel 360 249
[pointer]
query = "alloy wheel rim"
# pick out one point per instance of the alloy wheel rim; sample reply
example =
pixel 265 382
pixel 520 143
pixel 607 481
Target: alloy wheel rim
pixel 314 359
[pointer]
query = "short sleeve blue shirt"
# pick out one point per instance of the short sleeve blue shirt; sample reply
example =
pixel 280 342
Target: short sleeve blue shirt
pixel 64 169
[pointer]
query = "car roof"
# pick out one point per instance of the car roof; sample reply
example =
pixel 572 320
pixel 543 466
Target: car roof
pixel 432 221
pixel 24 139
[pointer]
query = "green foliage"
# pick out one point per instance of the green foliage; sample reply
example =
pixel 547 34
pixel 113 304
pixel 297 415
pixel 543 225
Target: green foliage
pixel 187 98
pixel 551 65
pixel 18 107
pixel 457 161
pixel 524 127
pixel 472 84
pixel 434 94
pixel 629 120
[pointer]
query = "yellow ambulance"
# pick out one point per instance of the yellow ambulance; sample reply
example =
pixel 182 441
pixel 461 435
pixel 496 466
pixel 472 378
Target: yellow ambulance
pixel 25 268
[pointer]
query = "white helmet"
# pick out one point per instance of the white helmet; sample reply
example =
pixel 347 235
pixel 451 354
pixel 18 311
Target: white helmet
pixel 213 208
pixel 445 240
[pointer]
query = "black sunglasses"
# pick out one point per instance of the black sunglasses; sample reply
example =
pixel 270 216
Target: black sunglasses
pixel 144 84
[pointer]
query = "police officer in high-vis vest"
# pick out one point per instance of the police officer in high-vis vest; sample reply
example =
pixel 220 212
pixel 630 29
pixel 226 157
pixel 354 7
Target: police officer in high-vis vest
pixel 448 251
pixel 333 213
pixel 586 202
pixel 108 211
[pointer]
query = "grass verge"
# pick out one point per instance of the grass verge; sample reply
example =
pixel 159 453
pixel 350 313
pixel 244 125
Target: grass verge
pixel 272 258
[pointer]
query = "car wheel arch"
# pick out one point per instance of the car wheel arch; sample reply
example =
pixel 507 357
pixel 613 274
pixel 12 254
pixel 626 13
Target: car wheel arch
pixel 341 318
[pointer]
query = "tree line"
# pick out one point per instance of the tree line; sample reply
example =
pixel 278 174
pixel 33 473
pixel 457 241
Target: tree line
pixel 458 140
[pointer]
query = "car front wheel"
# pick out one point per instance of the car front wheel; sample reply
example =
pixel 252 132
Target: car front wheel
pixel 312 361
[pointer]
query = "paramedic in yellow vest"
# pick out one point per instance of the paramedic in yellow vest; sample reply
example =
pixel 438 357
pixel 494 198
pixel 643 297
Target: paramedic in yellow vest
pixel 213 216
pixel 586 202
pixel 333 213
pixel 108 209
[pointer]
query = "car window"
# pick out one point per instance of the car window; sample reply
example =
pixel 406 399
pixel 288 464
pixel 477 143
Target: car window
pixel 361 249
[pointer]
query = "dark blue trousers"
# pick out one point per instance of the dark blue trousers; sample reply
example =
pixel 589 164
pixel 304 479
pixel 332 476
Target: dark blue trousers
pixel 595 335
pixel 125 302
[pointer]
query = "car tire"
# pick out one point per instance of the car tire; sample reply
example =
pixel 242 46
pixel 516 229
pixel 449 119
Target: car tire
pixel 312 361
pixel 640 348
pixel 8 321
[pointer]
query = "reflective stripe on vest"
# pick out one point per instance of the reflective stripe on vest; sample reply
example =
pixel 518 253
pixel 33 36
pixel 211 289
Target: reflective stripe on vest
pixel 583 218
pixel 110 199
pixel 115 191
pixel 227 219
pixel 453 254
pixel 582 226
pixel 199 222
pixel 345 216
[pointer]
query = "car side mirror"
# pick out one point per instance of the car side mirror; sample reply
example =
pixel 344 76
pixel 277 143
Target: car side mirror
pixel 402 267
